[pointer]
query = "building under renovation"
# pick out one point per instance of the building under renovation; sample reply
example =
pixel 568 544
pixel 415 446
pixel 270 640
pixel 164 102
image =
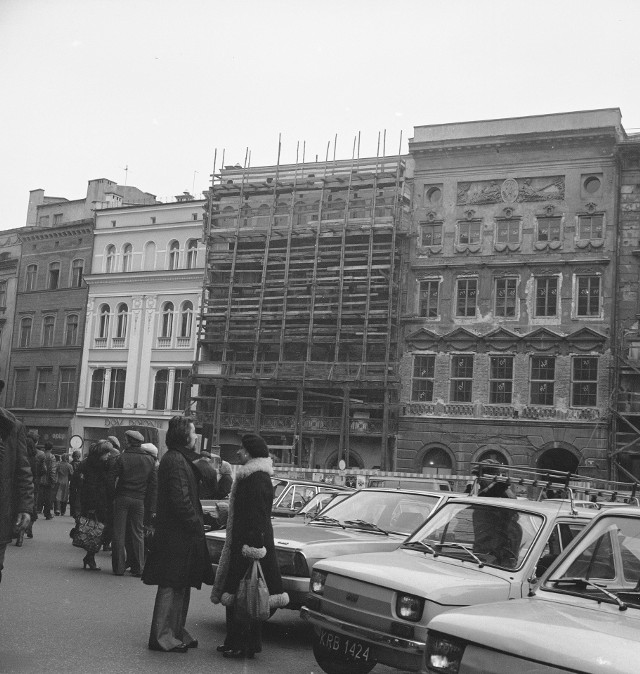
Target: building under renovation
pixel 299 329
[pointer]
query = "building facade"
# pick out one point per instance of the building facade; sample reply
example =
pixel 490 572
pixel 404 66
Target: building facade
pixel 10 248
pixel 144 295
pixel 299 338
pixel 509 321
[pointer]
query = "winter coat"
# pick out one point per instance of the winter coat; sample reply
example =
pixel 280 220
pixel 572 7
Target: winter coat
pixel 16 481
pixel 249 535
pixel 48 469
pixel 178 556
pixel 208 478
pixel 65 470
pixel 93 494
pixel 224 485
pixel 133 474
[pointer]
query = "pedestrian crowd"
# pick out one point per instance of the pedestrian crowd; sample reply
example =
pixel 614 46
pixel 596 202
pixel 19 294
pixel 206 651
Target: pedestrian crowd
pixel 150 518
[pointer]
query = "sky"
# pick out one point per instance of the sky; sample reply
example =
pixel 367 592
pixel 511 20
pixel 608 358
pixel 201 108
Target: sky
pixel 148 92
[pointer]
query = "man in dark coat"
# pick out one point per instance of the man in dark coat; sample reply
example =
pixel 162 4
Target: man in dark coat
pixel 134 478
pixel 178 559
pixel 48 478
pixel 16 482
pixel 208 476
pixel 249 537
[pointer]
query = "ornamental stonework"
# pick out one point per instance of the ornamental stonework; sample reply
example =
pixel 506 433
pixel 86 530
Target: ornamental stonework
pixel 511 190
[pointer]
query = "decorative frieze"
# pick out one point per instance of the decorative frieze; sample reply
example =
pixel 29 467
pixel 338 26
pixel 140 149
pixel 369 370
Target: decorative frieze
pixel 511 190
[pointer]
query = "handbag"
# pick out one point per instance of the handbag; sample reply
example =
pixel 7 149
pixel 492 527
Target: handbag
pixel 87 534
pixel 252 596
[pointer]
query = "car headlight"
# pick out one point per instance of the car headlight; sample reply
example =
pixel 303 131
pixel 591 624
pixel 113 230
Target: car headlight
pixel 318 579
pixel 444 654
pixel 409 607
pixel 292 563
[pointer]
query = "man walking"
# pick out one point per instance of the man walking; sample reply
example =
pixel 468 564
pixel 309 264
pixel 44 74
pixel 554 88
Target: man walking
pixel 48 478
pixel 16 482
pixel 134 478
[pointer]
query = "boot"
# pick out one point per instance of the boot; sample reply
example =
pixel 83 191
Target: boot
pixel 20 538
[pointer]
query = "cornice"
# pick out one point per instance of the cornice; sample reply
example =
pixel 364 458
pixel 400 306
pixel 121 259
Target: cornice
pixel 468 263
pixel 142 276
pixel 57 232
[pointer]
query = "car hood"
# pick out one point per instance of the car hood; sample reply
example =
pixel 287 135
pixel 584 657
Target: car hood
pixel 591 638
pixel 441 580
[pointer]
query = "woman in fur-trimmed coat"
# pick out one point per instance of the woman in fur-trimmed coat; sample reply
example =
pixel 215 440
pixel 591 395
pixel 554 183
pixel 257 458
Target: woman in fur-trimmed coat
pixel 249 536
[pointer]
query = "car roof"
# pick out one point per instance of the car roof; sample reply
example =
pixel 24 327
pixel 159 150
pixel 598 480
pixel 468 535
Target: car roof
pixel 312 483
pixel 549 508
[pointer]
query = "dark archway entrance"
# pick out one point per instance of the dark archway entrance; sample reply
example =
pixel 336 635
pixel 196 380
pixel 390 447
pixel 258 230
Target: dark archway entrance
pixel 558 458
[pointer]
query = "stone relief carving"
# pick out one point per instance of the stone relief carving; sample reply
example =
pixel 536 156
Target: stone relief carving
pixel 511 190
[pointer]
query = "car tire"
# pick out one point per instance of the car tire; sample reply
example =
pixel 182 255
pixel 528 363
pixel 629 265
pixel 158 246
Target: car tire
pixel 332 665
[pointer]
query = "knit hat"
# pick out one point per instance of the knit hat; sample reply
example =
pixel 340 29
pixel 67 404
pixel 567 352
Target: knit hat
pixel 134 438
pixel 150 448
pixel 255 445
pixel 114 441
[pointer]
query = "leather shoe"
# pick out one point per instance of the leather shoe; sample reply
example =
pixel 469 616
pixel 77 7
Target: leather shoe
pixel 180 648
pixel 193 644
pixel 240 653
pixel 222 648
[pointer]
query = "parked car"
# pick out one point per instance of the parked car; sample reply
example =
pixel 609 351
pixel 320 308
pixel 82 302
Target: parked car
pixel 313 507
pixel 584 617
pixel 290 495
pixel 367 520
pixel 426 484
pixel 375 607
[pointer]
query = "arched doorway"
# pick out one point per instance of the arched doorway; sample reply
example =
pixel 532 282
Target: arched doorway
pixel 494 455
pixel 355 460
pixel 558 458
pixel 436 460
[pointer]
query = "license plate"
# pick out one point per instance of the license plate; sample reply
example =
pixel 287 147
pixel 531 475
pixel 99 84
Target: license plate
pixel 348 648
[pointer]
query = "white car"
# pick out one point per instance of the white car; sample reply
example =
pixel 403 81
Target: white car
pixel 585 616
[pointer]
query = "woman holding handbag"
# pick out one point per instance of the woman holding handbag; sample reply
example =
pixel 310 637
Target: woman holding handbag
pixel 93 495
pixel 249 537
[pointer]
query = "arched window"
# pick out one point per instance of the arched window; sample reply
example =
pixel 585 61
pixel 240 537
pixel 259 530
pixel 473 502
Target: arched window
pixel 71 330
pixel 186 319
pixel 103 321
pixel 437 461
pixel 31 277
pixel 127 257
pixel 77 273
pixel 262 215
pixel 110 259
pixel 25 332
pixel 160 388
pixel 166 328
pixel 149 256
pixel 48 325
pixel 192 253
pixel 174 255
pixel 97 387
pixel 495 456
pixel 53 281
pixel 122 320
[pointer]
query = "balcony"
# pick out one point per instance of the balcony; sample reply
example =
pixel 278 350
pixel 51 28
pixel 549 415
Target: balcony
pixel 481 411
pixel 118 342
pixel 164 342
pixel 310 425
pixel 183 342
pixel 100 343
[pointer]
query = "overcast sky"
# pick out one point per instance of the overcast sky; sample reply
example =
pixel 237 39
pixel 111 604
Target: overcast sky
pixel 90 87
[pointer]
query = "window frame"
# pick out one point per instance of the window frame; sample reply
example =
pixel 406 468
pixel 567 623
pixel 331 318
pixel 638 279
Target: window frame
pixel 157 390
pixel 496 296
pixel 31 278
pixel 122 320
pixel 538 297
pixel 67 333
pixel 539 381
pixel 42 395
pixel 68 386
pixel 425 298
pixel 127 258
pixel 185 328
pixel 591 383
pixel 166 320
pixel 423 377
pixel 460 375
pixel 104 321
pixel 77 278
pixel 498 378
pixel 589 299
pixel 53 275
pixel 468 228
pixel 549 221
pixel 117 386
pixel 174 255
pixel 582 222
pixel 508 223
pixel 181 389
pixel 110 259
pixel 23 402
pixel 48 330
pixel 436 233
pixel 24 337
pixel 466 305
pixel 94 385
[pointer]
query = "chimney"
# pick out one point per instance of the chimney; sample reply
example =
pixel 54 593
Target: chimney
pixel 36 198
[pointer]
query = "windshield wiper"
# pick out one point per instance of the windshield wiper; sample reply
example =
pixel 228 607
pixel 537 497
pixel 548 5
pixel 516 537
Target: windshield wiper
pixel 327 520
pixel 587 583
pixel 422 544
pixel 460 546
pixel 364 523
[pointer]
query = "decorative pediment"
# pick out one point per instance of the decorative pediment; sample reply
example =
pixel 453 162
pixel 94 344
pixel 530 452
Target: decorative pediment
pixel 543 340
pixel 586 339
pixel 501 340
pixel 422 339
pixel 461 340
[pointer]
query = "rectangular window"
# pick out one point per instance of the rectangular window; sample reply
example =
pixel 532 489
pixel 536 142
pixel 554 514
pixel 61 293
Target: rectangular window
pixel 591 227
pixel 77 270
pixel 30 278
pixel 57 218
pixel 508 231
pixel 431 233
pixel 67 388
pixel 548 229
pixel 468 232
pixel 116 390
pixel 546 296
pixel 44 381
pixel 3 293
pixel 428 298
pixel 461 378
pixel 543 374
pixel 467 291
pixel 423 377
pixel 505 297
pixel 588 296
pixel 501 380
pixel 584 382
pixel 97 388
pixel 22 391
pixel 181 390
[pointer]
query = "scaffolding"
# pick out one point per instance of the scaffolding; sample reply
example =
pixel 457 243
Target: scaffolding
pixel 298 329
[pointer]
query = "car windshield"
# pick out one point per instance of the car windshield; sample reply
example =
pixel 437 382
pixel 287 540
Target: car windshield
pixel 479 533
pixel 380 512
pixel 605 566
pixel 320 501
pixel 278 486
